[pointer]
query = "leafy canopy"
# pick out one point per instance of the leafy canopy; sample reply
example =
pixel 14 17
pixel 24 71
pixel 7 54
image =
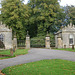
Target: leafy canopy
pixel 46 15
pixel 37 17
pixel 14 14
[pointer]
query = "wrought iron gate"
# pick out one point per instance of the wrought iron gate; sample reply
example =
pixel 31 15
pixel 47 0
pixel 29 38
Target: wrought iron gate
pixel 20 43
pixel 52 43
pixel 37 43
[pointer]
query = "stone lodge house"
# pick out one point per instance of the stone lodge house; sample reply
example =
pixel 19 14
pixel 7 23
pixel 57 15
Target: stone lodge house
pixel 65 37
pixel 5 36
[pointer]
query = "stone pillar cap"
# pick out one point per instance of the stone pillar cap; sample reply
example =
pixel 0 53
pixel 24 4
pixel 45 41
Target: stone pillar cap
pixel 58 37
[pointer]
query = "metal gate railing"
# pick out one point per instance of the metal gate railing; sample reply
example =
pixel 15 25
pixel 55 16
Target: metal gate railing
pixel 52 43
pixel 37 43
pixel 20 43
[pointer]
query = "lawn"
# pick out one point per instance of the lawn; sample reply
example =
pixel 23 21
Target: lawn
pixel 17 52
pixel 66 49
pixel 43 67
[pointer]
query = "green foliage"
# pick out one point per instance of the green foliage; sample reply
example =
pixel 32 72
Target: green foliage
pixel 52 40
pixel 43 67
pixel 45 15
pixel 72 14
pixel 38 41
pixel 14 14
pixel 37 17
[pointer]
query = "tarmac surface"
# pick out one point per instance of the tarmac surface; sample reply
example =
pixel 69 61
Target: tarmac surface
pixel 36 54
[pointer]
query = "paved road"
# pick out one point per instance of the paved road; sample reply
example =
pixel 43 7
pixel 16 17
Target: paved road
pixel 36 54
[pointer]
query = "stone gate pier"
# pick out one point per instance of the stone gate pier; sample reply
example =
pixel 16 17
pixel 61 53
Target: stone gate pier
pixel 27 41
pixel 47 41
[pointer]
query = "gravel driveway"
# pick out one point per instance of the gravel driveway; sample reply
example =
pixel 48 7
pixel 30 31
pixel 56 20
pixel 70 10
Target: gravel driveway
pixel 36 54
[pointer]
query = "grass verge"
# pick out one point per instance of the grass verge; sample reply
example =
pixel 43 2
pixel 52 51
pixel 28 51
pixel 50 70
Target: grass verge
pixel 66 49
pixel 17 52
pixel 43 67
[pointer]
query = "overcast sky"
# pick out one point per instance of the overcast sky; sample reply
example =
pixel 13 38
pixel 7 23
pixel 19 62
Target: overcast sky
pixel 67 2
pixel 63 2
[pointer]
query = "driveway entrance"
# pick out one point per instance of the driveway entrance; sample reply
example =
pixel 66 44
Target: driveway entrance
pixel 36 54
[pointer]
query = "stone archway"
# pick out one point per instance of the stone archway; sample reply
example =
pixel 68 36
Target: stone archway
pixel 2 45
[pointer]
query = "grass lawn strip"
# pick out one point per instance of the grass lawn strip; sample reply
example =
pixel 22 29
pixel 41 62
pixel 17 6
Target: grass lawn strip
pixel 17 52
pixel 66 49
pixel 43 67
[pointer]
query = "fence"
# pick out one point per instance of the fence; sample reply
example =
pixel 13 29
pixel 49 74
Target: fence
pixel 20 43
pixel 52 43
pixel 37 43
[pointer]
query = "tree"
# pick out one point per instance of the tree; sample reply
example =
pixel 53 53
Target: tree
pixel 46 15
pixel 72 14
pixel 37 17
pixel 13 14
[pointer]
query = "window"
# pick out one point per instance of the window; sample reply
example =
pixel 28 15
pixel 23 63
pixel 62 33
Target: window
pixel 71 40
pixel 1 37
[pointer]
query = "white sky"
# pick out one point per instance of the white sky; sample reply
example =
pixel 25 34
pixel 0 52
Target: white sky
pixel 67 2
pixel 63 2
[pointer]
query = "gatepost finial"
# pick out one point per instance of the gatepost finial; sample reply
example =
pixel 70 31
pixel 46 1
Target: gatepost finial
pixel 47 33
pixel 27 32
pixel 14 34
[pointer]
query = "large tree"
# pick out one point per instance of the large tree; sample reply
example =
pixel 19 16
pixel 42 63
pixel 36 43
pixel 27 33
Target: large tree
pixel 46 15
pixel 72 14
pixel 13 14
pixel 37 17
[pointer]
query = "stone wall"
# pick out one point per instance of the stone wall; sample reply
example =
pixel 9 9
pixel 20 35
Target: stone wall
pixel 7 36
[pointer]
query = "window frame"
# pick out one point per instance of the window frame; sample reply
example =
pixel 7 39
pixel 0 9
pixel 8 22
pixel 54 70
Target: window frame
pixel 71 39
pixel 2 37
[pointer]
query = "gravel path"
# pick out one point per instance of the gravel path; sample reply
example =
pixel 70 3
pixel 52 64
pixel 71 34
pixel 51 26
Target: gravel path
pixel 36 54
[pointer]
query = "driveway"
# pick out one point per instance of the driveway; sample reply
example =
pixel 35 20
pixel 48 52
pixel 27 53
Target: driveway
pixel 36 54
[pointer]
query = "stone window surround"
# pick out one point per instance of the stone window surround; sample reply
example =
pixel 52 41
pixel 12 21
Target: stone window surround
pixel 71 38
